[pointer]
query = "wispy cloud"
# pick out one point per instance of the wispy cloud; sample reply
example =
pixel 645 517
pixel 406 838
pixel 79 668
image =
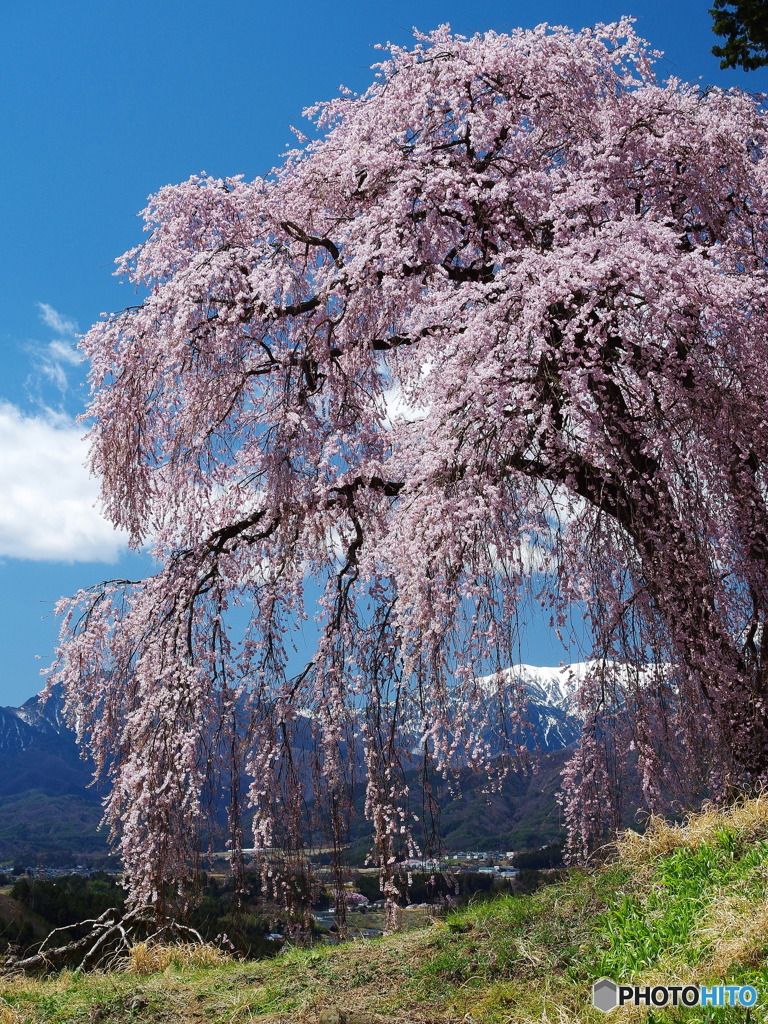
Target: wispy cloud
pixel 47 510
pixel 63 352
pixel 52 360
pixel 58 323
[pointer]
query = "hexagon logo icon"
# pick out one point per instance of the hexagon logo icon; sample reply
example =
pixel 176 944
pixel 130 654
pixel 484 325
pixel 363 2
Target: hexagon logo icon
pixel 605 995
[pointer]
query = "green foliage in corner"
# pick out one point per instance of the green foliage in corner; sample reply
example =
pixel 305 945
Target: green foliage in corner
pixel 744 25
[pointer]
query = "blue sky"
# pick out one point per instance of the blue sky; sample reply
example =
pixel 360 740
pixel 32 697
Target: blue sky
pixel 101 103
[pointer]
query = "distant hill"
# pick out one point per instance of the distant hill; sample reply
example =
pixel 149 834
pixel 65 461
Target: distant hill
pixel 49 810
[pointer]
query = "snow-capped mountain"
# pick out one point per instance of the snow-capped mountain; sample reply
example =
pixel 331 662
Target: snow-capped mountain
pixel 46 716
pixel 15 734
pixel 547 697
pixel 555 687
pixel 547 693
pixel 36 723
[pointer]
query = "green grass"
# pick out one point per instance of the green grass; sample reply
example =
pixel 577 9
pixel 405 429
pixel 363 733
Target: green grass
pixel 679 905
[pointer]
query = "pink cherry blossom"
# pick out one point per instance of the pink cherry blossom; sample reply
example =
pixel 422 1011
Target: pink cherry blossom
pixel 494 333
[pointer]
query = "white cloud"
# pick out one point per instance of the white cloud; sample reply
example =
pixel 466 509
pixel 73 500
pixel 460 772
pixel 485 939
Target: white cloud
pixel 399 410
pixel 53 359
pixel 58 323
pixel 47 498
pixel 63 352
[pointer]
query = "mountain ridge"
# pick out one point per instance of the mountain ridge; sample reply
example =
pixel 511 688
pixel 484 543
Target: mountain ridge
pixel 47 797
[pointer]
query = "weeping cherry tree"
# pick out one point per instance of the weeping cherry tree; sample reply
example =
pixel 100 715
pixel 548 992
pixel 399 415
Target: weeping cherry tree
pixel 493 334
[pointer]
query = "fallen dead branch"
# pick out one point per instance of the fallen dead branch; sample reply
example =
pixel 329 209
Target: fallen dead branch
pixel 107 938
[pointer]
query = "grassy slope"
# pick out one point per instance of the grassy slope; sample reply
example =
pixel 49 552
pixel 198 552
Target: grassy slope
pixel 683 904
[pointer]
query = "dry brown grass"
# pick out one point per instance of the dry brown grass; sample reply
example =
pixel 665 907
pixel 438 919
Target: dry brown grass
pixel 9 1014
pixel 738 930
pixel 148 959
pixel 747 821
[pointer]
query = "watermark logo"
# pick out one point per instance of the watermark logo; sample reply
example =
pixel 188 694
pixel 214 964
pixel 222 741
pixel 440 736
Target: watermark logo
pixel 607 995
